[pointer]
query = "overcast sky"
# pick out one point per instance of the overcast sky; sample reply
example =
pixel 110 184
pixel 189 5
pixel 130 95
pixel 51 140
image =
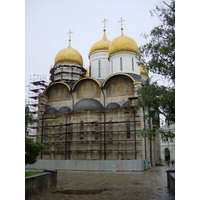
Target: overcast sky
pixel 47 23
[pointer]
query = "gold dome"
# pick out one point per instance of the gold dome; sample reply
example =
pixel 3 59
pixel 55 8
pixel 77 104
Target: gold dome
pixel 88 72
pixel 102 45
pixel 123 44
pixel 69 55
pixel 143 71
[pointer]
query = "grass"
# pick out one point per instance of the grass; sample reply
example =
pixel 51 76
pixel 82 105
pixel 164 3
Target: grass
pixel 32 173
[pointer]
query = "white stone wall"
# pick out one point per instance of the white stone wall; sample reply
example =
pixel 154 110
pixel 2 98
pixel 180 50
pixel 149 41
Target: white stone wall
pixel 170 145
pixel 105 65
pixel 126 63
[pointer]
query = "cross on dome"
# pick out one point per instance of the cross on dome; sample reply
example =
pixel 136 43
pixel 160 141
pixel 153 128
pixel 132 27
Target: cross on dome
pixel 105 20
pixel 70 36
pixel 121 25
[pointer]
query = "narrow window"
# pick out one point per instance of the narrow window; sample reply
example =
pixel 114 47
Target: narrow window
pixel 61 131
pixel 62 73
pixel 121 64
pixel 90 70
pixel 81 130
pixel 128 128
pixel 72 74
pixel 72 131
pixel 46 132
pixel 110 124
pixel 111 66
pixel 99 68
pixel 132 64
pixel 96 131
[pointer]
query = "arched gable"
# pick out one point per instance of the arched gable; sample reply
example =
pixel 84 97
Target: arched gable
pixel 118 74
pixel 83 79
pixel 58 91
pixel 87 88
pixel 119 84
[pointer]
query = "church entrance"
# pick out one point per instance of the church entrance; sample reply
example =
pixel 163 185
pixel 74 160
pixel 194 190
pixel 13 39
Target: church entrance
pixel 167 154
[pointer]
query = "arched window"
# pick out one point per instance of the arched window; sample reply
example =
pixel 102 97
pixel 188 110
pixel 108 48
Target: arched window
pixel 111 66
pixel 81 130
pixel 72 74
pixel 99 68
pixel 72 131
pixel 111 131
pixel 128 128
pixel 96 130
pixel 61 131
pixel 90 70
pixel 132 64
pixel 46 132
pixel 121 68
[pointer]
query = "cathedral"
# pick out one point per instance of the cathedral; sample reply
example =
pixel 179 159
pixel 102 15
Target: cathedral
pixel 89 114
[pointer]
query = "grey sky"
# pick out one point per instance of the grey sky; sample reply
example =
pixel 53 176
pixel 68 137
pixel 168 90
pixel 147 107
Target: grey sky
pixel 47 23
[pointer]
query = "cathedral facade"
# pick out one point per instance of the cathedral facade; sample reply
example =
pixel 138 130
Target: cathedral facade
pixel 89 114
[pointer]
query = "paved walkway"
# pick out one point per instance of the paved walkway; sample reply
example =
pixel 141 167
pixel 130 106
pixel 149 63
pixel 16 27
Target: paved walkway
pixel 150 184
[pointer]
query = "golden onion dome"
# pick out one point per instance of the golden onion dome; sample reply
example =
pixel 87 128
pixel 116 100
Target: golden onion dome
pixel 123 44
pixel 88 72
pixel 102 45
pixel 143 71
pixel 69 54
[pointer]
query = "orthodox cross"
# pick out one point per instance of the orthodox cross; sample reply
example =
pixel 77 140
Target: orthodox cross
pixel 70 35
pixel 104 23
pixel 121 25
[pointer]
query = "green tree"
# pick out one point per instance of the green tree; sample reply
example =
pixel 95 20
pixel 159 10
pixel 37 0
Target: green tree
pixel 32 149
pixel 28 117
pixel 158 56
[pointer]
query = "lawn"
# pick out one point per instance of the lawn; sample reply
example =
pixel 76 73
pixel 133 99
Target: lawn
pixel 32 173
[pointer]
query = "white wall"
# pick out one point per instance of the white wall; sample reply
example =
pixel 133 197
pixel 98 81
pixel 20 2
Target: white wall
pixel 105 65
pixel 170 145
pixel 126 63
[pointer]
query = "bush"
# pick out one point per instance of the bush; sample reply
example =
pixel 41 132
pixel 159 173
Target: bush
pixel 32 150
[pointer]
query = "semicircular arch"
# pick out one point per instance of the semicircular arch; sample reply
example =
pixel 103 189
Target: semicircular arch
pixel 56 84
pixel 83 79
pixel 119 84
pixel 88 104
pixel 87 88
pixel 117 74
pixel 58 91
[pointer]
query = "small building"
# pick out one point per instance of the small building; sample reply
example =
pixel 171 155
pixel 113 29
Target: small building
pixel 168 147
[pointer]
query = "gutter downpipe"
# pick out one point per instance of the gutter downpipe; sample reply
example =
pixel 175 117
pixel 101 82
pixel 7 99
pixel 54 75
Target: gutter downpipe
pixel 145 150
pixel 66 153
pixel 42 133
pixel 72 101
pixel 150 139
pixel 104 113
pixel 135 135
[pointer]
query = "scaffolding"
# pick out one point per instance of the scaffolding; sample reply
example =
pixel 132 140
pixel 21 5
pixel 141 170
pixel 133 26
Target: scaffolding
pixel 37 85
pixel 89 140
pixel 62 70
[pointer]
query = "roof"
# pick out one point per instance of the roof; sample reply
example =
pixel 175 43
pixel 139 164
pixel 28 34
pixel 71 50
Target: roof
pixel 88 104
pixel 113 106
pixel 56 110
